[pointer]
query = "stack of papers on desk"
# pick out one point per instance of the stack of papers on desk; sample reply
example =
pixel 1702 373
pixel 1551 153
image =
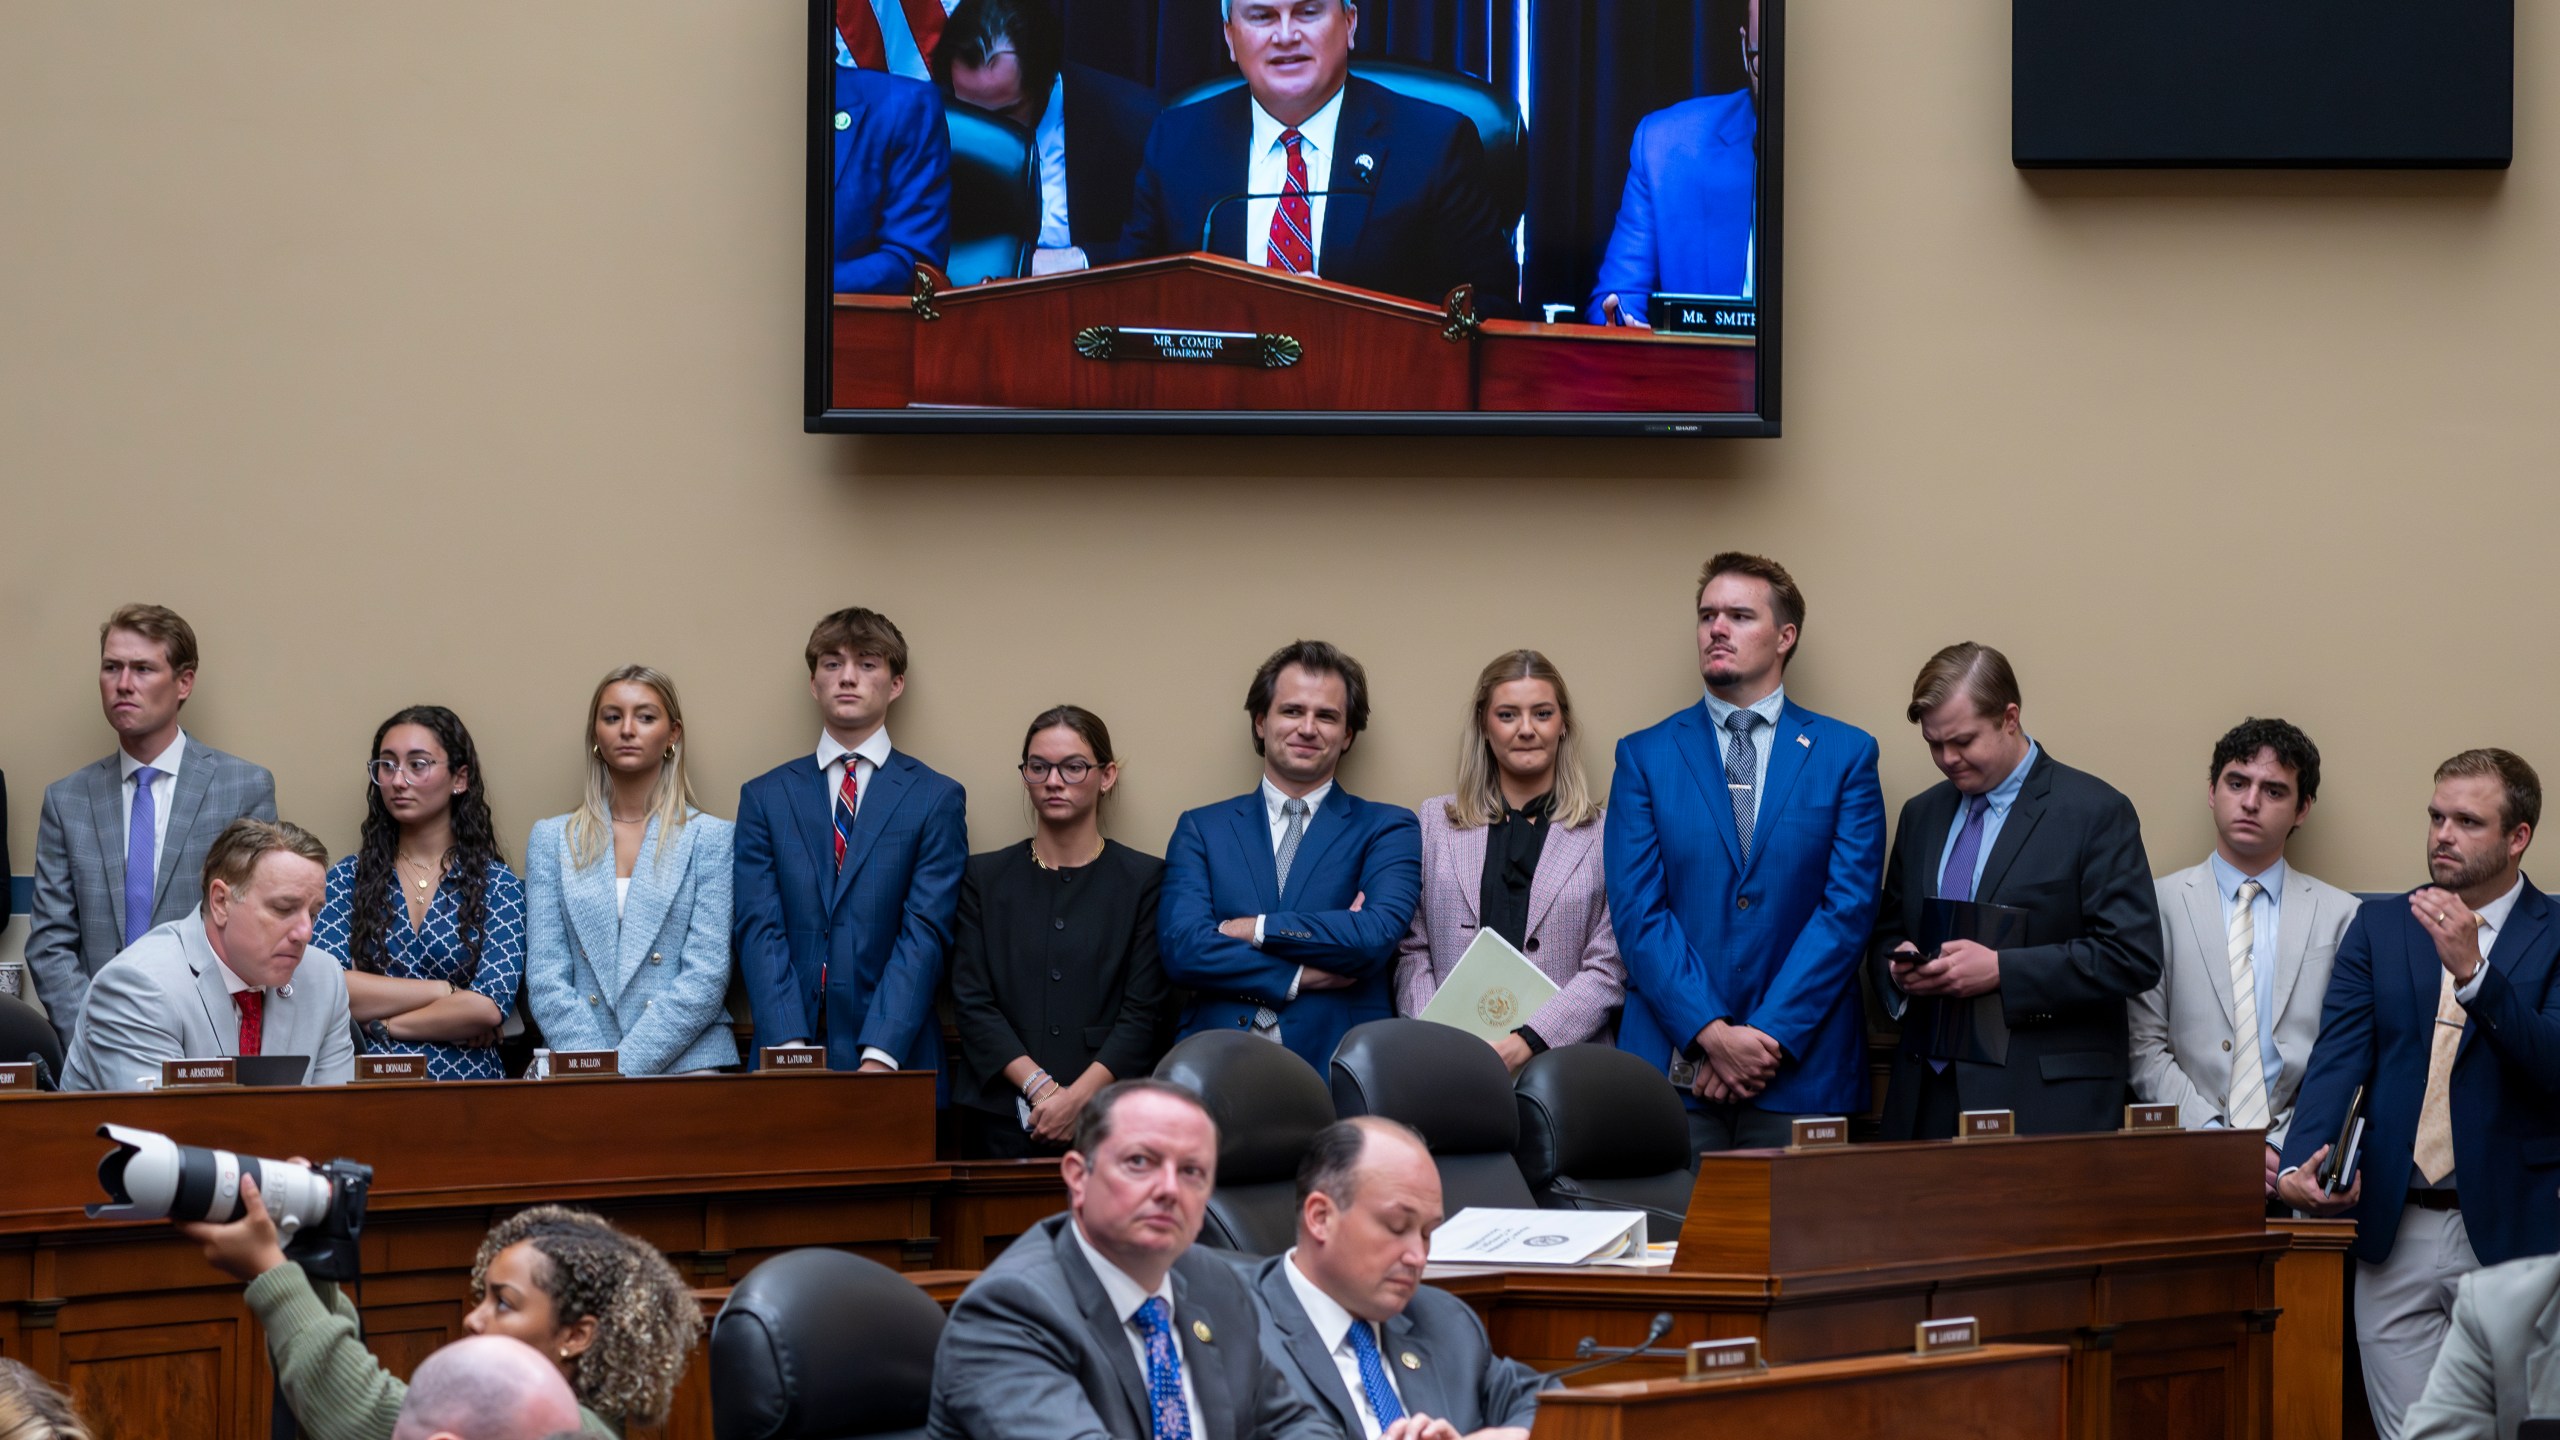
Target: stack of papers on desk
pixel 1476 1236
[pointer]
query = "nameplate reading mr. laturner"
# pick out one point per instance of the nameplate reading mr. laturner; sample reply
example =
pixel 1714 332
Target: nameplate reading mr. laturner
pixel 1188 347
pixel 783 1059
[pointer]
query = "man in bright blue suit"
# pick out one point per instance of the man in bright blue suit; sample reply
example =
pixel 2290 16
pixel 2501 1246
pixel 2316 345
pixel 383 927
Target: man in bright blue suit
pixel 848 868
pixel 2441 1005
pixel 1282 908
pixel 1744 848
pixel 893 181
pixel 1685 221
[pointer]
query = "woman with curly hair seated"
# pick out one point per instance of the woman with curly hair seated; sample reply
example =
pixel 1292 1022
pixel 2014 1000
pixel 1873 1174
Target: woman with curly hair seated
pixel 606 1306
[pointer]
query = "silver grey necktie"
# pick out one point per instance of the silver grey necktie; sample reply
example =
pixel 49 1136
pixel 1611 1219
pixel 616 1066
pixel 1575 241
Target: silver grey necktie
pixel 1294 830
pixel 1742 774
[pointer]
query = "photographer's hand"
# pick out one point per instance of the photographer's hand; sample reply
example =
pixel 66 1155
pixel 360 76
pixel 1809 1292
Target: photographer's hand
pixel 247 1247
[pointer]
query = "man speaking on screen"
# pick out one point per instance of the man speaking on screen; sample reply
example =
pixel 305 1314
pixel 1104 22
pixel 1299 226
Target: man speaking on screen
pixel 1311 170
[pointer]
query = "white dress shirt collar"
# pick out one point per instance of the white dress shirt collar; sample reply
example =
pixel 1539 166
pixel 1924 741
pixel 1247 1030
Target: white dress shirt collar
pixel 2227 878
pixel 1267 174
pixel 1125 1293
pixel 2493 916
pixel 1274 798
pixel 1049 143
pixel 166 762
pixel 1315 136
pixel 874 749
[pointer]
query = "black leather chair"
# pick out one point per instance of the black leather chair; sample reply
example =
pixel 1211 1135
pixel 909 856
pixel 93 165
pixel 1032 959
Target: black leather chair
pixel 995 196
pixel 1451 1087
pixel 1495 115
pixel 1269 1104
pixel 1602 1130
pixel 25 1033
pixel 822 1343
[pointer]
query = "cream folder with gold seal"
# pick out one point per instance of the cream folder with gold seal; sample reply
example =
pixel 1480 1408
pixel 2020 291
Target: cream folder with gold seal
pixel 1494 990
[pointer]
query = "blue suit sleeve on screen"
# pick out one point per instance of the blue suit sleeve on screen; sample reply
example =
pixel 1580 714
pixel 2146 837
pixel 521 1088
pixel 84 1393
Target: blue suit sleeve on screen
pixel 1827 952
pixel 892 182
pixel 1685 219
pixel 903 1004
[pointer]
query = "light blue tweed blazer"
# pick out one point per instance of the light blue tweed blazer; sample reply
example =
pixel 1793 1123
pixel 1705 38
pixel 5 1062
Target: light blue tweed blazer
pixel 650 982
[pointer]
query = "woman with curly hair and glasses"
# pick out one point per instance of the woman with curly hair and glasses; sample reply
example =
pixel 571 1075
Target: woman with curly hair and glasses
pixel 426 916
pixel 604 1305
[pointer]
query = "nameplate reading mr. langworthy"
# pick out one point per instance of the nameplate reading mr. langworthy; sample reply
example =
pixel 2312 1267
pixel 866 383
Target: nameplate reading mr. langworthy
pixel 1986 1125
pixel 180 1074
pixel 785 1059
pixel 18 1079
pixel 1721 1359
pixel 1931 1337
pixel 1818 1132
pixel 585 1064
pixel 1189 347
pixel 2151 1117
pixel 378 1069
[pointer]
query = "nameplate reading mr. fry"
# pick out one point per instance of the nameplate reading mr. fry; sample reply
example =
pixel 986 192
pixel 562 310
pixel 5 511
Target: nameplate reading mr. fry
pixel 18 1079
pixel 585 1064
pixel 375 1069
pixel 1818 1132
pixel 1931 1337
pixel 2151 1117
pixel 1722 1359
pixel 180 1074
pixel 1986 1125
pixel 785 1059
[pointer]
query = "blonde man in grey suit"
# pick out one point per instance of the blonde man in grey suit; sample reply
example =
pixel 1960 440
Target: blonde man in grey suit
pixel 2500 1364
pixel 238 975
pixel 2226 1033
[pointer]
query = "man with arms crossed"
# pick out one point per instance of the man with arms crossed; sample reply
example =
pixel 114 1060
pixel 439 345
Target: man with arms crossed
pixel 2039 1029
pixel 1283 908
pixel 119 844
pixel 2249 943
pixel 1345 1314
pixel 1743 844
pixel 238 975
pixel 2441 1008
pixel 1104 1322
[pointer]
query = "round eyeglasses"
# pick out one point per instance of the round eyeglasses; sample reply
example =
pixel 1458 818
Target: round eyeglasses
pixel 1072 771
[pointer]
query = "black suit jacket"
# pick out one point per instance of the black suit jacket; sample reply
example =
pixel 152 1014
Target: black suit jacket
pixel 1422 223
pixel 1059 965
pixel 2070 854
pixel 1107 123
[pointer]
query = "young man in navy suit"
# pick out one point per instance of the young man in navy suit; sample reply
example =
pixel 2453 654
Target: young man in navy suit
pixel 2441 1006
pixel 848 869
pixel 1282 908
pixel 1744 841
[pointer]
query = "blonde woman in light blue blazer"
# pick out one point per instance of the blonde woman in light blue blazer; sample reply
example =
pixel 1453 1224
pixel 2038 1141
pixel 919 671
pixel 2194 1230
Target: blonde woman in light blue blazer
pixel 627 897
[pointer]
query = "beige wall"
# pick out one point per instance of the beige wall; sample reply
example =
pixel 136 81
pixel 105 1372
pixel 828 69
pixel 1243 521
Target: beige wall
pixel 452 352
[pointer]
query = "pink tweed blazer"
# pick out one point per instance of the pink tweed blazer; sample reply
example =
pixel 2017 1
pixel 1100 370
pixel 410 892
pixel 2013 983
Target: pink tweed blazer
pixel 1569 934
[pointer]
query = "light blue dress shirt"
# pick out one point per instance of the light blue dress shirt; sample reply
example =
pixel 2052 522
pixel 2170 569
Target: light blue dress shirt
pixel 2002 797
pixel 1764 739
pixel 2265 913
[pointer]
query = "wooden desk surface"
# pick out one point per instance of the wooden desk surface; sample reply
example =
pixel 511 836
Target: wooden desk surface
pixel 1999 1392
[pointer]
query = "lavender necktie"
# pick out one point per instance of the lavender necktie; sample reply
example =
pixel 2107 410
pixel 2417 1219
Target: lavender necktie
pixel 141 849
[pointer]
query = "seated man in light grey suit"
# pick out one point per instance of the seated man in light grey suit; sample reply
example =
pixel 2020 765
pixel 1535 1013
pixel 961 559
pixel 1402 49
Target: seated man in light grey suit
pixel 2500 1364
pixel 119 843
pixel 1347 1318
pixel 1104 1323
pixel 238 975
pixel 2223 1051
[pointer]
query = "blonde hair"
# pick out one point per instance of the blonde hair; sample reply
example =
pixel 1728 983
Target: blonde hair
pixel 670 803
pixel 1478 801
pixel 31 1409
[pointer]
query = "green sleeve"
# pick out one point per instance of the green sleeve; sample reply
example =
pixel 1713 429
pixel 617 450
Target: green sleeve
pixel 337 1390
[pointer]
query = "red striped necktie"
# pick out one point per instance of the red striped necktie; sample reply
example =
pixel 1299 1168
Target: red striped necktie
pixel 253 1014
pixel 1293 223
pixel 848 800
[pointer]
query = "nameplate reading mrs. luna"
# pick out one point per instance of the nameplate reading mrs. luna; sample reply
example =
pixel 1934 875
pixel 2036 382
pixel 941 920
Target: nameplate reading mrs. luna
pixel 182 1074
pixel 1986 1125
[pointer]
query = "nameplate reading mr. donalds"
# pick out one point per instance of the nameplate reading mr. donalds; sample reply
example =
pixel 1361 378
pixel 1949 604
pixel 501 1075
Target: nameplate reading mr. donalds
pixel 1931 1337
pixel 375 1069
pixel 585 1064
pixel 18 1079
pixel 1189 347
pixel 1818 1132
pixel 1986 1125
pixel 180 1074
pixel 1721 1359
pixel 2151 1117
pixel 784 1059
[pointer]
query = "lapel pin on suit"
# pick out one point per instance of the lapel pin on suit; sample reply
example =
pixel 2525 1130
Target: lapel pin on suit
pixel 843 121
pixel 1410 1360
pixel 1200 1329
pixel 1805 740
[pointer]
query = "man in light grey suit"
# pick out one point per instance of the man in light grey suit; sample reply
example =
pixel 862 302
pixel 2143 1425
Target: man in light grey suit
pixel 236 976
pixel 1104 1323
pixel 1347 1318
pixel 2500 1364
pixel 119 844
pixel 2250 941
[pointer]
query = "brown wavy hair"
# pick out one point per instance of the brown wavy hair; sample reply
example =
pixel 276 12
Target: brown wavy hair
pixel 646 1320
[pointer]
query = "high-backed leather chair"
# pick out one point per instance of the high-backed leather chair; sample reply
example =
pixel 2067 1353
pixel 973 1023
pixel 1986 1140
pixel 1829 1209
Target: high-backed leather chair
pixel 995 196
pixel 25 1034
pixel 1602 1130
pixel 823 1343
pixel 1495 115
pixel 1453 1089
pixel 1269 1104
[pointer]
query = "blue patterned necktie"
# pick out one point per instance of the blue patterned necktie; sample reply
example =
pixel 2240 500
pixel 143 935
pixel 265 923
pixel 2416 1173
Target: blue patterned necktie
pixel 141 849
pixel 1373 1376
pixel 1171 1418
pixel 1742 775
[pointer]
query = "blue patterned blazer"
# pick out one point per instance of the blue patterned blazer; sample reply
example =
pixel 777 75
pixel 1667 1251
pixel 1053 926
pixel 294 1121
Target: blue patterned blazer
pixel 649 982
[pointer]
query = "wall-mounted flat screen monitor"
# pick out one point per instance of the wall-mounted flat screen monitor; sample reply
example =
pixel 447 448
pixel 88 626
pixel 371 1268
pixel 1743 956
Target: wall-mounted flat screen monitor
pixel 1295 216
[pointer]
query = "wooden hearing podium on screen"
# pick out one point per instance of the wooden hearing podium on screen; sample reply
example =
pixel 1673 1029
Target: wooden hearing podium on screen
pixel 1205 332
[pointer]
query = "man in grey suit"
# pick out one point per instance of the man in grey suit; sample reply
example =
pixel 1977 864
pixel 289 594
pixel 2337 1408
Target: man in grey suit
pixel 2500 1364
pixel 236 976
pixel 1345 1314
pixel 1104 1323
pixel 2249 943
pixel 119 843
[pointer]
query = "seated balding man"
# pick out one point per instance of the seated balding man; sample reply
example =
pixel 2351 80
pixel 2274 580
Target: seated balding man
pixel 488 1387
pixel 1347 1318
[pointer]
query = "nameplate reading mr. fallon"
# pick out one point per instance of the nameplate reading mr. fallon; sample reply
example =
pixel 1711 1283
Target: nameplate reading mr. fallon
pixel 184 1074
pixel 585 1064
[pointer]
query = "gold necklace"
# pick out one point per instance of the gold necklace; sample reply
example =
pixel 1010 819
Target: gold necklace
pixel 1045 865
pixel 434 873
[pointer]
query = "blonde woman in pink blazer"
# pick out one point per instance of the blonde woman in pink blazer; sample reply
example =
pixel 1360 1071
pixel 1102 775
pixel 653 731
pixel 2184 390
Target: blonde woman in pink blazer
pixel 1516 849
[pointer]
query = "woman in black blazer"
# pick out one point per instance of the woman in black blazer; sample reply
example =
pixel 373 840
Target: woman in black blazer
pixel 1054 978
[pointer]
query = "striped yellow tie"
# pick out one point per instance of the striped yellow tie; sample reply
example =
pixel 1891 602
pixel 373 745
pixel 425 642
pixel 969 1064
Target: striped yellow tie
pixel 2247 1107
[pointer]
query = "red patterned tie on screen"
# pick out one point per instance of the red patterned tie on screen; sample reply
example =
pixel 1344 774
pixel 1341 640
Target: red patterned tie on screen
pixel 1293 223
pixel 253 1014
pixel 848 800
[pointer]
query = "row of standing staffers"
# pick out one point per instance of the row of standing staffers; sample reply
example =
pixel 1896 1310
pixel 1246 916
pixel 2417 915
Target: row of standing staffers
pixel 1721 917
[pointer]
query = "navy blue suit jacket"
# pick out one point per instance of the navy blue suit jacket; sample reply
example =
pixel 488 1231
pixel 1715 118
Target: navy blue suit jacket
pixel 1775 943
pixel 892 181
pixel 1219 865
pixel 881 927
pixel 1107 123
pixel 1422 223
pixel 1684 222
pixel 2375 1031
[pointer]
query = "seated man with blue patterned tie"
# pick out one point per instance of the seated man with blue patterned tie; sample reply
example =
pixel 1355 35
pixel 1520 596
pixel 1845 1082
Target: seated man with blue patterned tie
pixel 1103 1323
pixel 1345 1314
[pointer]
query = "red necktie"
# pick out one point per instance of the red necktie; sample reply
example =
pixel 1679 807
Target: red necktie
pixel 848 800
pixel 253 1012
pixel 1293 222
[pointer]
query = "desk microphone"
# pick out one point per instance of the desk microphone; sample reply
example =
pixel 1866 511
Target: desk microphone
pixel 1661 1326
pixel 1364 185
pixel 44 1072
